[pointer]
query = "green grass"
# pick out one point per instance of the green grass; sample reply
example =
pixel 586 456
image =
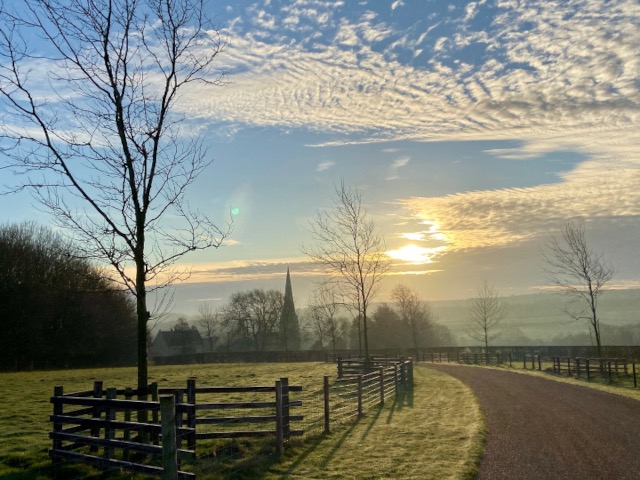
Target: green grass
pixel 436 433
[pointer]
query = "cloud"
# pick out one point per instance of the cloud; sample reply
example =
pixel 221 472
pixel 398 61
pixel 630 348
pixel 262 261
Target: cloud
pixel 326 165
pixel 556 76
pixel 547 70
pixel 504 217
pixel 397 164
pixel 251 270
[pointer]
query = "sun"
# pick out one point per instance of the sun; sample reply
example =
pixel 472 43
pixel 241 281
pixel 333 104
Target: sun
pixel 414 254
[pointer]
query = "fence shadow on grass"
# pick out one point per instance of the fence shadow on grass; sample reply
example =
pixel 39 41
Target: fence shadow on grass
pixel 232 460
pixel 402 399
pixel 338 444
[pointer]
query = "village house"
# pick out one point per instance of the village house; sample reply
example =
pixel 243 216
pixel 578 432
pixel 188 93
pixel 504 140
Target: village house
pixel 176 342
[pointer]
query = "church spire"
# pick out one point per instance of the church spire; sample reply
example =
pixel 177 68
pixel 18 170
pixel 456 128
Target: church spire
pixel 289 325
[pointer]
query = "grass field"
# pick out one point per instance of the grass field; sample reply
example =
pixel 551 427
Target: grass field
pixel 435 433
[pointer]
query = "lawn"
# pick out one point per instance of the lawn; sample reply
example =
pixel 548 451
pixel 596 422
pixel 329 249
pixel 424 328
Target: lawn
pixel 435 433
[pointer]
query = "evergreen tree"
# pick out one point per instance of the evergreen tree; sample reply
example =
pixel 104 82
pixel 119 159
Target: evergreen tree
pixel 289 324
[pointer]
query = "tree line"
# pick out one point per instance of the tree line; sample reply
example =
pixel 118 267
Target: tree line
pixel 258 320
pixel 58 310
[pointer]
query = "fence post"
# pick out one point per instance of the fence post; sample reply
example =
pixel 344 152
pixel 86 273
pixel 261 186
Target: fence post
pixel 396 378
pixel 510 365
pixel 179 399
pixel 410 373
pixel 609 370
pixel 58 407
pixel 327 425
pixel 128 395
pixel 360 396
pixel 578 367
pixel 169 437
pixel 340 371
pixel 95 431
pixel 110 415
pixel 381 386
pixel 279 423
pixel 155 415
pixel 588 370
pixel 191 412
pixel 286 427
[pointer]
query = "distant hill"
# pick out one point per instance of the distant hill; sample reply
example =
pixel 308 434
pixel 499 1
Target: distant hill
pixel 540 319
pixel 534 319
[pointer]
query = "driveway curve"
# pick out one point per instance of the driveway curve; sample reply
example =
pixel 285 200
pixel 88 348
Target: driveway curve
pixel 541 429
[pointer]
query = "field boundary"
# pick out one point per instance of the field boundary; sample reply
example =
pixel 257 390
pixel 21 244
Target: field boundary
pixel 619 372
pixel 96 427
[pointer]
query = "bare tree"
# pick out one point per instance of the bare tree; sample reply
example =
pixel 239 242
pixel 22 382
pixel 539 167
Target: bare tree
pixel 209 321
pixel 580 273
pixel 349 247
pixel 323 310
pixel 414 314
pixel 98 140
pixel 253 316
pixel 487 311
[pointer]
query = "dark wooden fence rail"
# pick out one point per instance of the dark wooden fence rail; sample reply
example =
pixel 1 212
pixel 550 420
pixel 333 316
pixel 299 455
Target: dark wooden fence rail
pixel 356 366
pixel 362 386
pixel 214 411
pixel 589 368
pixel 608 368
pixel 100 432
pixel 101 421
pixel 96 427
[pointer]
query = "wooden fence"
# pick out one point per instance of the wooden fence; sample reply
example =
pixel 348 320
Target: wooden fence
pixel 163 424
pixel 608 368
pixel 357 366
pixel 101 432
pixel 533 361
pixel 218 408
pixel 352 395
pixel 97 428
pixel 589 368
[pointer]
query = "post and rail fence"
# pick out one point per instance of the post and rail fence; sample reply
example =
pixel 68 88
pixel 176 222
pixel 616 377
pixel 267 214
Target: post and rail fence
pixel 108 428
pixel 173 417
pixel 610 369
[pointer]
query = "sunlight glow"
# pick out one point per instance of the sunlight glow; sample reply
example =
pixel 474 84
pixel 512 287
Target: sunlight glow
pixel 416 255
pixel 415 236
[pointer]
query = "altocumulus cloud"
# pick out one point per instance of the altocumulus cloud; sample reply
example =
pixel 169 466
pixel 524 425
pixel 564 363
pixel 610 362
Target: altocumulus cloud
pixel 545 67
pixel 555 76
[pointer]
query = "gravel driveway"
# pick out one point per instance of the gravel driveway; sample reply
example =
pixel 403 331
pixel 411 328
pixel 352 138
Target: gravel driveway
pixel 542 429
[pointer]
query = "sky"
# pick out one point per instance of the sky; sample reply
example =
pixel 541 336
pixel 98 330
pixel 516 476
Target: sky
pixel 473 130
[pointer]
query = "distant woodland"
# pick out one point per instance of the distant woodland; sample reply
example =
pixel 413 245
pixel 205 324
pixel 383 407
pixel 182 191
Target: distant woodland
pixel 58 310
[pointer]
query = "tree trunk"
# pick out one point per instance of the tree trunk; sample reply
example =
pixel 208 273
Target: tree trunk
pixel 366 339
pixel 143 317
